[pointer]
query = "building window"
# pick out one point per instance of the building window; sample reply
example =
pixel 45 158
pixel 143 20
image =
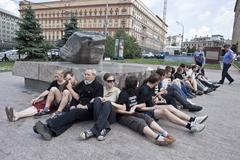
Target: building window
pixel 90 12
pixel 95 12
pixel 111 11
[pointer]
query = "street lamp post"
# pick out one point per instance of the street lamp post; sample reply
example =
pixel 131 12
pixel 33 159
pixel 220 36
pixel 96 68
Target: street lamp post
pixel 182 30
pixel 106 19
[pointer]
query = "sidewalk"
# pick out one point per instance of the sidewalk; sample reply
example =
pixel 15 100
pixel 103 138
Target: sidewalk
pixel 219 141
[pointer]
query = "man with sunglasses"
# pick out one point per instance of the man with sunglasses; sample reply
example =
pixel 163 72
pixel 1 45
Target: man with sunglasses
pixel 82 97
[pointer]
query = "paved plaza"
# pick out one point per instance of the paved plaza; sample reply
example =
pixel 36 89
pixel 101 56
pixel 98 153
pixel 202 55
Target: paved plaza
pixel 219 141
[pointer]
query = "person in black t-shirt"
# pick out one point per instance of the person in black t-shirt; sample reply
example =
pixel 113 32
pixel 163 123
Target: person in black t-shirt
pixel 49 98
pixel 84 94
pixel 147 97
pixel 139 122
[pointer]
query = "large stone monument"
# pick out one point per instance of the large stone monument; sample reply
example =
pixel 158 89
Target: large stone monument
pixel 84 48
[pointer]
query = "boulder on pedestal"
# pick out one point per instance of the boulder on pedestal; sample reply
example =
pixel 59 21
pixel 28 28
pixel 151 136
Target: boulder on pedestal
pixel 84 48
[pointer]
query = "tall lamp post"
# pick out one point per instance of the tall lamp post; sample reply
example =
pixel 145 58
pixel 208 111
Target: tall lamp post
pixel 106 20
pixel 179 23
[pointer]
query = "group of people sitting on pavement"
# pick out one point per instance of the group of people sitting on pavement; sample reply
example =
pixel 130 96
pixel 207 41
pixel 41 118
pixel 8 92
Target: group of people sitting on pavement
pixel 138 106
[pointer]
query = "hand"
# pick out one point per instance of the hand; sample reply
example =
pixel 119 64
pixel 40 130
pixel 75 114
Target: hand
pixel 69 85
pixel 155 99
pixel 33 101
pixel 102 99
pixel 132 110
pixel 163 91
pixel 82 106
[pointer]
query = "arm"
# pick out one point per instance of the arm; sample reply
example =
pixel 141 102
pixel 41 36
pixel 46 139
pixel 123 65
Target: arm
pixel 42 95
pixel 119 106
pixel 71 90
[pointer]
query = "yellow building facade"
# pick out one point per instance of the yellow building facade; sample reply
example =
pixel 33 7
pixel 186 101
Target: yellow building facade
pixel 131 15
pixel 236 26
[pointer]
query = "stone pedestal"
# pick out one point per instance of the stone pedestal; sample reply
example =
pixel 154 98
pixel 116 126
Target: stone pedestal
pixel 38 74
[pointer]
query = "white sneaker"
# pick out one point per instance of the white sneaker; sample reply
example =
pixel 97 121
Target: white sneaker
pixel 199 120
pixel 197 127
pixel 86 135
pixel 191 102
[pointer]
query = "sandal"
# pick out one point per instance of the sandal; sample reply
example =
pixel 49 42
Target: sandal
pixel 7 113
pixel 11 115
pixel 162 141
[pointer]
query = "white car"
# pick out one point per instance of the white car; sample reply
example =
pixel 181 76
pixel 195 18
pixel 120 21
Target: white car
pixel 148 55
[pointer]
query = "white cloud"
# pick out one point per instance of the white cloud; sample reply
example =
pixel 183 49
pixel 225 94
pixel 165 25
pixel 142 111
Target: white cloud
pixel 199 17
pixel 9 6
pixel 201 31
pixel 204 16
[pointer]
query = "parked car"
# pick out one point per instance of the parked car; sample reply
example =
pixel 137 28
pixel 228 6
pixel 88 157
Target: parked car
pixel 148 55
pixel 160 55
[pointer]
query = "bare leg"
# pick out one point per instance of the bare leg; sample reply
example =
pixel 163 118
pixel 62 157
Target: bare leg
pixel 154 125
pixel 178 113
pixel 194 83
pixel 54 94
pixel 164 112
pixel 149 133
pixel 65 99
pixel 28 112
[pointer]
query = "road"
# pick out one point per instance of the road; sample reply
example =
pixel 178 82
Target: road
pixel 219 141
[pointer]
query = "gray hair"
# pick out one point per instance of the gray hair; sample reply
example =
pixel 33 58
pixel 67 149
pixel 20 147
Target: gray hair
pixel 92 70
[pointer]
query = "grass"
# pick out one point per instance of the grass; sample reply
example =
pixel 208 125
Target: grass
pixel 162 62
pixel 237 64
pixel 6 66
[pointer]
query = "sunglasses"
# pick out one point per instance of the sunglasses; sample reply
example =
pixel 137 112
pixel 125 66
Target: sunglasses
pixel 110 81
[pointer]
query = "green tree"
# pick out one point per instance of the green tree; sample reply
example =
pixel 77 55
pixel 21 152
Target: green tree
pixel 109 47
pixel 70 28
pixel 131 47
pixel 29 37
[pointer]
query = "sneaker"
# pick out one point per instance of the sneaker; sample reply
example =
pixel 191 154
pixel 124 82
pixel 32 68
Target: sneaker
pixel 41 114
pixel 199 93
pixel 193 108
pixel 101 138
pixel 220 82
pixel 199 120
pixel 197 127
pixel 86 134
pixel 104 132
pixel 43 130
pixel 231 82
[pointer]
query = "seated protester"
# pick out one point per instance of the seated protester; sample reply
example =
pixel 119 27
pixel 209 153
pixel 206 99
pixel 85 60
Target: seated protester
pixel 83 94
pixel 139 122
pixel 172 73
pixel 202 79
pixel 178 75
pixel 172 95
pixel 67 97
pixel 46 103
pixel 146 95
pixel 190 81
pixel 110 94
pixel 200 86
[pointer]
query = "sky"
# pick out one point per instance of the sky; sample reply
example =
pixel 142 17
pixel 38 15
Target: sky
pixel 199 17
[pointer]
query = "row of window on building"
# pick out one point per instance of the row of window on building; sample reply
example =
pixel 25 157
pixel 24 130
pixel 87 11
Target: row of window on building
pixel 85 12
